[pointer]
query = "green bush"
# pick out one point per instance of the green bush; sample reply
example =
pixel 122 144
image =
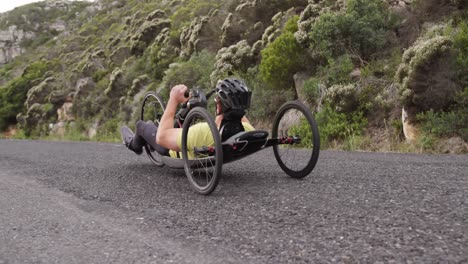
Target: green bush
pixel 460 44
pixel 339 126
pixel 445 124
pixel 159 61
pixel 109 131
pixel 337 70
pixel 343 97
pixel 283 58
pixel 13 94
pixel 194 72
pixel 99 74
pixel 360 29
pixel 383 68
pixel 304 130
pixel 312 89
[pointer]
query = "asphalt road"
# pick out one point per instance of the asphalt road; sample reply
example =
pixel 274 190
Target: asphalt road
pixel 65 202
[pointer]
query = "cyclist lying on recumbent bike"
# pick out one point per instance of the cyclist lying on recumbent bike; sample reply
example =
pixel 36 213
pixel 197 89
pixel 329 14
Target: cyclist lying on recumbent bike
pixel 232 100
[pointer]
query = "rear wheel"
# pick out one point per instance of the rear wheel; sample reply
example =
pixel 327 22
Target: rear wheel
pixel 152 109
pixel 201 151
pixel 295 124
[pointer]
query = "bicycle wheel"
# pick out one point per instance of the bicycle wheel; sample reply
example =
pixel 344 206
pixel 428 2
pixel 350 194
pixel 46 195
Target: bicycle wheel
pixel 203 156
pixel 152 109
pixel 295 124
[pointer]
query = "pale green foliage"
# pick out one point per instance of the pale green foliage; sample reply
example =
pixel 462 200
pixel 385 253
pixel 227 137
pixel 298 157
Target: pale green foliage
pixel 233 59
pixel 343 97
pixel 419 57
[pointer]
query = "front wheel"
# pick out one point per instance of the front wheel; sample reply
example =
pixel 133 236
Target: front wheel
pixel 152 109
pixel 202 151
pixel 295 124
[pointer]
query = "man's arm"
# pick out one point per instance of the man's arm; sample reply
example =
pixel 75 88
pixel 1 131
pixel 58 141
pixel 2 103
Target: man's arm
pixel 167 135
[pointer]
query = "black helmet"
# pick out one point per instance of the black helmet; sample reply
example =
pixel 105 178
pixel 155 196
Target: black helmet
pixel 234 95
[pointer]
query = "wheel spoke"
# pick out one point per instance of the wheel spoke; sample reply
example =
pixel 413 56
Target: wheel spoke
pixel 207 167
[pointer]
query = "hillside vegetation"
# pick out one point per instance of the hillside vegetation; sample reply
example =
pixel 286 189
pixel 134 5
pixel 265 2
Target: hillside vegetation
pixel 380 75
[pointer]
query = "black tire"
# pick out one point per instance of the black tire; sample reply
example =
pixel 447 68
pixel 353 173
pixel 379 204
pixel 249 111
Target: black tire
pixel 152 109
pixel 203 170
pixel 296 160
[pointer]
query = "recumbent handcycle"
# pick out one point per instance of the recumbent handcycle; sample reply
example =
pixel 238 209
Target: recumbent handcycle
pixel 294 138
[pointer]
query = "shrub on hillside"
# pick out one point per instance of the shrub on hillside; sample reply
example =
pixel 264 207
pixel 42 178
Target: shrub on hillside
pixel 14 93
pixel 283 58
pixel 460 44
pixel 339 126
pixel 337 70
pixel 359 29
pixel 445 124
pixel 235 58
pixel 335 73
pixel 343 97
pixel 189 9
pixel 194 72
pixel 427 76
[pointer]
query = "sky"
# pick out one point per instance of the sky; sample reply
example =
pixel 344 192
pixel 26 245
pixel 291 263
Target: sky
pixel 7 5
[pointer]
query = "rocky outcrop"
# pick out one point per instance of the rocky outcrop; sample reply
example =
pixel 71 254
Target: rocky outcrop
pixel 410 129
pixel 42 20
pixel 10 41
pixel 43 99
pixel 64 117
pixel 299 81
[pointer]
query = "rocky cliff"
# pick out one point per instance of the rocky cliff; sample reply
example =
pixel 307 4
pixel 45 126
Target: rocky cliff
pixel 10 41
pixel 34 24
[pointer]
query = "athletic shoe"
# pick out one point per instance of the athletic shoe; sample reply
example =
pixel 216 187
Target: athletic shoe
pixel 127 138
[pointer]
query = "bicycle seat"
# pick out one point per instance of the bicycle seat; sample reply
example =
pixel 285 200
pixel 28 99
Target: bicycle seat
pixel 247 136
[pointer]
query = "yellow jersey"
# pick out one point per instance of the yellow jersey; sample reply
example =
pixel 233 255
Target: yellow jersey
pixel 200 135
